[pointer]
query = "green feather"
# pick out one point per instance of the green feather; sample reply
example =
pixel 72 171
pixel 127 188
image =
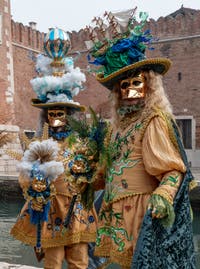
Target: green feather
pixel 94 116
pixel 87 197
pixel 79 125
pixel 71 140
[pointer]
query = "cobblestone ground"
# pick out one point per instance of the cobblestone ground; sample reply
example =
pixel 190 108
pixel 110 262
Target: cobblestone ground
pixel 4 265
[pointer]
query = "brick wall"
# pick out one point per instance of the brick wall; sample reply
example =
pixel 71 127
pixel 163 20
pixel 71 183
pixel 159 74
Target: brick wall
pixel 7 114
pixel 179 39
pixel 182 81
pixel 27 43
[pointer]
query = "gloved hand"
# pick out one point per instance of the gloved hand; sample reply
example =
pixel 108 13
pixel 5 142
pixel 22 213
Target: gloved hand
pixel 161 209
pixel 158 206
pixel 161 201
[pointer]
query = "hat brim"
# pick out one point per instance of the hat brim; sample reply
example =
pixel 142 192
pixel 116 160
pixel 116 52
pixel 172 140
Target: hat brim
pixel 159 65
pixel 39 104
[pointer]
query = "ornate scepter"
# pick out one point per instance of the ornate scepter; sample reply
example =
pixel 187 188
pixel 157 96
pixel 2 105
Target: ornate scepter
pixel 82 159
pixel 39 167
pixel 69 213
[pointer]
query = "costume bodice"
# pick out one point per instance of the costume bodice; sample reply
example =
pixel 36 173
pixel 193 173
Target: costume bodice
pixel 146 153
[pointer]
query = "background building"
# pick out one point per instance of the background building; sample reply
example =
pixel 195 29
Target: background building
pixel 178 38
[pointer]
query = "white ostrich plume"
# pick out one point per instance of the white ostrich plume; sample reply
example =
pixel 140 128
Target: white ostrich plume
pixel 43 66
pixel 40 158
pixel 52 169
pixel 50 84
pixel 43 151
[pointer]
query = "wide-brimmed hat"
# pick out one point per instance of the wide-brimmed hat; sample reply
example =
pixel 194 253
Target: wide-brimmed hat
pixel 58 91
pixel 58 81
pixel 124 54
pixel 37 103
pixel 159 65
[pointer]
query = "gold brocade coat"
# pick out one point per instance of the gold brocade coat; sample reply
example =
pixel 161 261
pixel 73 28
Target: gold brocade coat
pixel 82 226
pixel 153 153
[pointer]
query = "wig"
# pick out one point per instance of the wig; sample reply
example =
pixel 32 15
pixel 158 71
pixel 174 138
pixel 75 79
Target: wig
pixel 155 98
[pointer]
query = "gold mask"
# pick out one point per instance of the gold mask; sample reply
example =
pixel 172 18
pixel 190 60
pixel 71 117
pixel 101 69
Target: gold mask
pixel 39 185
pixel 56 117
pixel 134 87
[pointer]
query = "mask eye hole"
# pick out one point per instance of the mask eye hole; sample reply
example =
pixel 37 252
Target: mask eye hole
pixel 51 114
pixel 125 85
pixel 136 83
pixel 60 114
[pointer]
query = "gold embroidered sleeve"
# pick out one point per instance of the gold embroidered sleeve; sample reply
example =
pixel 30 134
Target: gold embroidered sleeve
pixel 169 185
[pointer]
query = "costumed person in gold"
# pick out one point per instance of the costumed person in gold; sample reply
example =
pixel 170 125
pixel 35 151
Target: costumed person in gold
pixel 145 219
pixel 71 222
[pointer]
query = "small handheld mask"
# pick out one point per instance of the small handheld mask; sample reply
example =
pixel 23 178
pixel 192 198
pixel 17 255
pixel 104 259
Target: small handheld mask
pixel 133 87
pixel 39 185
pixel 56 117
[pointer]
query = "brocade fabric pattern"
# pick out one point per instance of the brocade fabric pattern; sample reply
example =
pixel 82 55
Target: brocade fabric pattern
pixel 173 248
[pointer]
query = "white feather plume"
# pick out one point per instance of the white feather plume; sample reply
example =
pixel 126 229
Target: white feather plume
pixel 45 150
pixel 42 154
pixel 52 169
pixel 71 81
pixel 43 65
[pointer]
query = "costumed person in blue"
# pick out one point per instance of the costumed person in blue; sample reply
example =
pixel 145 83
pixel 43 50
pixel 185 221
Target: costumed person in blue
pixel 71 221
pixel 145 220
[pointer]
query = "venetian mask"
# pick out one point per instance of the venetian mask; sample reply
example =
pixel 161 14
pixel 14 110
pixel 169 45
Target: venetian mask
pixel 57 117
pixel 39 185
pixel 133 87
pixel 80 164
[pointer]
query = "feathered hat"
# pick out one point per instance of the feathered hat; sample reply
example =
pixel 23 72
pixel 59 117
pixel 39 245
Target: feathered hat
pixel 119 48
pixel 58 81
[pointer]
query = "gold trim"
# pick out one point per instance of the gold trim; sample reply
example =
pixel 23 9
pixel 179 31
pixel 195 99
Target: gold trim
pixel 167 118
pixel 123 260
pixel 163 193
pixel 164 62
pixel 103 250
pixel 114 256
pixel 37 103
pixel 65 240
pixel 45 132
pixel 25 140
pixel 64 194
pixel 193 184
pixel 126 195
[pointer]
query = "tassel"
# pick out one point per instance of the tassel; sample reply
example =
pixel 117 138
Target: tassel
pixel 37 216
pixel 69 214
pixel 38 244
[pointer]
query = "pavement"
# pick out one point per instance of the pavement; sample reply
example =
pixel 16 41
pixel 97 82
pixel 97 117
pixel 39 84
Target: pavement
pixel 4 265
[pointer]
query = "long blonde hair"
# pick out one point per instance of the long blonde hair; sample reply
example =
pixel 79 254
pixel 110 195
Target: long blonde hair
pixel 155 98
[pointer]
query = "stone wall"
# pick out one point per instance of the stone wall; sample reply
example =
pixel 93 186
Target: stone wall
pixel 179 39
pixel 7 114
pixel 8 164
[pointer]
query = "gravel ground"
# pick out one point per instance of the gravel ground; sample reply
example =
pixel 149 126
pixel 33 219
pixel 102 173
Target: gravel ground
pixel 4 265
